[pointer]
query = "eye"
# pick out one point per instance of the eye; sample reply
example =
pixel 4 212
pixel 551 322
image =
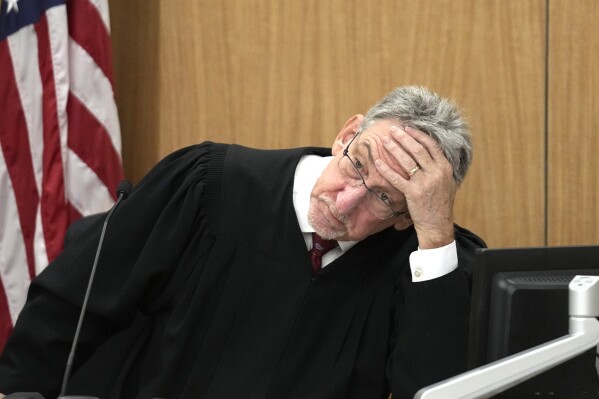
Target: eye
pixel 385 198
pixel 360 168
pixel 363 168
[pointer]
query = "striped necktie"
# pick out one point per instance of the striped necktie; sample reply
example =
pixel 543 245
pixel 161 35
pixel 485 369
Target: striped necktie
pixel 320 246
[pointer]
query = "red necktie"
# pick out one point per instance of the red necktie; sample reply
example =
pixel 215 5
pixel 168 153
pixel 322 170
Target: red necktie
pixel 320 246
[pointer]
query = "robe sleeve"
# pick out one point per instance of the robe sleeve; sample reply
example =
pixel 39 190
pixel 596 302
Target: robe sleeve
pixel 143 243
pixel 431 323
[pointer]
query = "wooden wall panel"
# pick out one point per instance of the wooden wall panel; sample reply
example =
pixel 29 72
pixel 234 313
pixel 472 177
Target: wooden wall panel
pixel 136 38
pixel 502 89
pixel 573 141
pixel 274 74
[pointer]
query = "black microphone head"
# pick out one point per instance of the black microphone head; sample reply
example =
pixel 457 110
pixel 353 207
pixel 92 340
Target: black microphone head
pixel 124 188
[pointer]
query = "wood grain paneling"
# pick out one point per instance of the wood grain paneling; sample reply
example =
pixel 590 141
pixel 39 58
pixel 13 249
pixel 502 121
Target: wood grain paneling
pixel 498 77
pixel 136 38
pixel 573 141
pixel 274 74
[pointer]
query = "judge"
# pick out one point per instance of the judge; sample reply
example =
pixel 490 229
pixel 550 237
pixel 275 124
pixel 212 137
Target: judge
pixel 211 283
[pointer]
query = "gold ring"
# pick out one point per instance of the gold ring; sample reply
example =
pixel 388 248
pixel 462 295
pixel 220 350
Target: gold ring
pixel 414 170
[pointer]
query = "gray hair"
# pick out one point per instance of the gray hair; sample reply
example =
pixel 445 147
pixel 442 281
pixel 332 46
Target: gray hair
pixel 440 118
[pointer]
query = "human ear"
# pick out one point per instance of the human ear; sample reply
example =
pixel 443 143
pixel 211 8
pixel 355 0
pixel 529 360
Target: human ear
pixel 347 132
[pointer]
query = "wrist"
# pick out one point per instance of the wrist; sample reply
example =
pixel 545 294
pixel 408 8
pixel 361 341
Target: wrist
pixel 435 238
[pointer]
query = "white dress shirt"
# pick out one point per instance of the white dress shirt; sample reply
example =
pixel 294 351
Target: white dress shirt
pixel 426 264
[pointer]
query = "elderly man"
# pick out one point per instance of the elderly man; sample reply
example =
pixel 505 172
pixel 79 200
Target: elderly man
pixel 240 273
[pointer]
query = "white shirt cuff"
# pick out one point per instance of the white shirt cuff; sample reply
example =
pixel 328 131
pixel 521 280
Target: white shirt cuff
pixel 428 264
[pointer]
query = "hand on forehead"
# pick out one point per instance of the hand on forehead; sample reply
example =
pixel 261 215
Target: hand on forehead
pixel 391 146
pixel 405 149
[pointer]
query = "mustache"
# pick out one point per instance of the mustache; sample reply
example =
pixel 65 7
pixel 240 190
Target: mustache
pixel 334 211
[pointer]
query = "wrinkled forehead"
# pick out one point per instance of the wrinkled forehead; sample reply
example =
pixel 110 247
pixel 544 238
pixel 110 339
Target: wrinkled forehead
pixel 369 143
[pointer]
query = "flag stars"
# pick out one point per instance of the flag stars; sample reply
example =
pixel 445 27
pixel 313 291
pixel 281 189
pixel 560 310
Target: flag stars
pixel 12 5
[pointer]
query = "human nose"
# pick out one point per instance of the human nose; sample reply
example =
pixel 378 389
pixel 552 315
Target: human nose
pixel 351 197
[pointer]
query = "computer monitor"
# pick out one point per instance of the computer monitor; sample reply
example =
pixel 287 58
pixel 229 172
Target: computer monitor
pixel 520 300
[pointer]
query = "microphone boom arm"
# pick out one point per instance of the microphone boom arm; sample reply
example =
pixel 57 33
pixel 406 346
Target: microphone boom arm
pixel 123 191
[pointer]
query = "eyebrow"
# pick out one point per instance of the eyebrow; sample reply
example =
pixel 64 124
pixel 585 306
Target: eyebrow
pixel 366 144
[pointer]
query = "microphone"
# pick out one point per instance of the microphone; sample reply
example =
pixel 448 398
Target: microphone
pixel 122 191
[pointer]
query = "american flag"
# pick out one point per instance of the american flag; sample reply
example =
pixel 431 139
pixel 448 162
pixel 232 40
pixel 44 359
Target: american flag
pixel 59 134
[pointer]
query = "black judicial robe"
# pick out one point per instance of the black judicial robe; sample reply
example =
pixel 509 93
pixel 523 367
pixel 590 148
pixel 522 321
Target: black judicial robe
pixel 204 289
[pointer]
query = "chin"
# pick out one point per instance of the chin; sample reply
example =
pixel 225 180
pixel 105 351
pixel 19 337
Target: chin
pixel 328 234
pixel 322 227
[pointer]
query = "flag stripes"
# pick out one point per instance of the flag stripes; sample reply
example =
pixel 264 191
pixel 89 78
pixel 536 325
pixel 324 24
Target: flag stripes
pixel 59 134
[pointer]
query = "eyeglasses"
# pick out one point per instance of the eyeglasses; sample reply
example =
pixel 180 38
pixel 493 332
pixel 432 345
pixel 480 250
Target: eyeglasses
pixel 377 204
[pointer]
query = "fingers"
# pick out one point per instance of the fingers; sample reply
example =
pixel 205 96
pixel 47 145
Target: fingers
pixel 417 154
pixel 391 175
pixel 411 156
pixel 412 148
pixel 419 157
pixel 403 157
